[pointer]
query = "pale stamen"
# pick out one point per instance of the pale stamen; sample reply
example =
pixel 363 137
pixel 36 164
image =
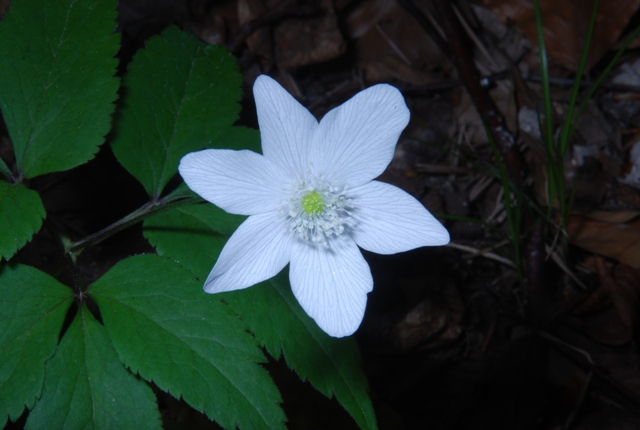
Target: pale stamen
pixel 317 210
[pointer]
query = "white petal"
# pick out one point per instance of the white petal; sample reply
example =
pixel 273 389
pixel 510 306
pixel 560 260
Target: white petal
pixel 257 251
pixel 355 142
pixel 389 220
pixel 331 284
pixel 240 182
pixel 286 126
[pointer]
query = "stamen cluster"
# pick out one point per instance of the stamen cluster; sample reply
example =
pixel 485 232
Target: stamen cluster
pixel 317 210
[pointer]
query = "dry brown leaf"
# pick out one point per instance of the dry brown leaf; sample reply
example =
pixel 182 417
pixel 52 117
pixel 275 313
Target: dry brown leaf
pixel 306 41
pixel 608 216
pixel 260 41
pixel 620 241
pixel 608 315
pixel 391 45
pixel 566 24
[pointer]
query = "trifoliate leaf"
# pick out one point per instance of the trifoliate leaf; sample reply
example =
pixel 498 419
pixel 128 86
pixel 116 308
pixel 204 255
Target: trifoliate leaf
pixel 57 84
pixel 87 387
pixel 188 343
pixel 180 96
pixel 32 310
pixel 21 214
pixel 194 236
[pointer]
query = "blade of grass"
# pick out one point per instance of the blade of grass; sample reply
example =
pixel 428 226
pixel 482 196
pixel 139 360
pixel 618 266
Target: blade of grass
pixel 604 74
pixel 568 124
pixel 567 128
pixel 555 183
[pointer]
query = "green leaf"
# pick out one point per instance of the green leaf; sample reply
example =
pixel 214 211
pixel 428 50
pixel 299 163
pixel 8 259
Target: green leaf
pixel 57 84
pixel 332 366
pixel 181 95
pixel 239 138
pixel 197 233
pixel 194 236
pixel 181 192
pixel 4 169
pixel 86 385
pixel 32 310
pixel 21 212
pixel 189 343
pixel 235 138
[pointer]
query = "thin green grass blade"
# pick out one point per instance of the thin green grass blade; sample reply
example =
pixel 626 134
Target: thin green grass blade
pixel 555 182
pixel 567 129
pixel 604 74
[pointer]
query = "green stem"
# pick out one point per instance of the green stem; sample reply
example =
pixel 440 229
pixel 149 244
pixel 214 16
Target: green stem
pixel 146 210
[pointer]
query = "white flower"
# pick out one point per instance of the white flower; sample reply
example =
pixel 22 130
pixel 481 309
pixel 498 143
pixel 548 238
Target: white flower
pixel 312 201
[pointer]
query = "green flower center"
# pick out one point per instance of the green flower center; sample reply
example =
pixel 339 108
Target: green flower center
pixel 312 203
pixel 316 210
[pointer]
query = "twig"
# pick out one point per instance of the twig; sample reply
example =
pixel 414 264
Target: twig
pixel 475 252
pixel 427 26
pixel 392 44
pixel 462 59
pixel 134 217
pixel 561 264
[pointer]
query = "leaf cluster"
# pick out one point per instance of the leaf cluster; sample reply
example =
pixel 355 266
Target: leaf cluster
pixel 87 356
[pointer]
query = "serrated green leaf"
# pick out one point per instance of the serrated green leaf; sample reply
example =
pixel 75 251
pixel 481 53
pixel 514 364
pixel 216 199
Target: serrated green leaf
pixel 235 138
pixel 181 95
pixel 189 343
pixel 57 84
pixel 21 214
pixel 332 366
pixel 199 239
pixel 87 387
pixel 188 235
pixel 194 236
pixel 32 310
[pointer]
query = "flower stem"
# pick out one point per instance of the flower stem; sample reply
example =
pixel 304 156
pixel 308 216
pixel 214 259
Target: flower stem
pixel 150 208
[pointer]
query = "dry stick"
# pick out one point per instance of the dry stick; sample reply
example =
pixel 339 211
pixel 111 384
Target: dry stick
pixel 462 59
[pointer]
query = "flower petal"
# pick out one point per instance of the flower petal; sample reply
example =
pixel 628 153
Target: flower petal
pixel 331 284
pixel 355 142
pixel 240 182
pixel 389 220
pixel 258 250
pixel 286 126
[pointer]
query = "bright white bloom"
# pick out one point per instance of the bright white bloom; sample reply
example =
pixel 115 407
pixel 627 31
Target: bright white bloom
pixel 312 201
